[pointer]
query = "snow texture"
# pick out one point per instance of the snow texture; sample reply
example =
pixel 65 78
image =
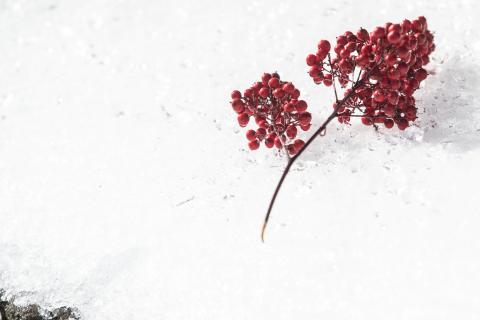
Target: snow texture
pixel 126 189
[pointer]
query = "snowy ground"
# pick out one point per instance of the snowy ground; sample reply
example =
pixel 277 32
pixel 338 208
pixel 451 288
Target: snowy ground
pixel 126 189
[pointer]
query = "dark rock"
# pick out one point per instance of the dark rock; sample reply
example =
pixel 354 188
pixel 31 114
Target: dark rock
pixel 10 311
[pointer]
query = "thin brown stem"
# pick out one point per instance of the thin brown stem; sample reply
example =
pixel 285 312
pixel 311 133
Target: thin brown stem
pixel 319 131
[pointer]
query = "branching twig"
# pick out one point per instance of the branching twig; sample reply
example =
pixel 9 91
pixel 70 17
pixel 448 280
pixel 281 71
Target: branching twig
pixel 319 131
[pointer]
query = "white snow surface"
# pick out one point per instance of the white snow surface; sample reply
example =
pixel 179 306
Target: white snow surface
pixel 126 189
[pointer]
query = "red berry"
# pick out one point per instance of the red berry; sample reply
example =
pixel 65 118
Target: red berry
pixel 295 94
pixel 278 143
pixel 238 105
pixel 265 78
pixel 262 124
pixel 390 59
pixel 411 113
pixel 301 106
pixel 278 93
pixel 393 37
pixel 351 46
pixel 315 72
pixel 261 133
pixel 298 144
pixel 377 33
pixel 417 26
pixel 421 74
pixel 251 135
pixel 324 46
pixel 402 124
pixel 254 145
pixel 406 25
pixel 269 142
pixel 363 35
pixel 236 94
pixel 388 123
pixel 367 121
pixel 288 107
pixel 311 60
pixel 273 83
pixel 378 96
pixel 344 53
pixel 243 119
pixel 263 92
pixel 389 110
pixel 288 87
pixel 291 131
pixel 291 149
pixel 306 127
pixel 305 118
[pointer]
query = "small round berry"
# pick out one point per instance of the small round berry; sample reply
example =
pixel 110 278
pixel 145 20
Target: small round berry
pixel 274 83
pixel 351 46
pixel 324 46
pixel 301 106
pixel 406 25
pixel 288 87
pixel 298 144
pixel 328 80
pixel 254 145
pixel 378 95
pixel 295 94
pixel 248 92
pixel 421 74
pixel 278 93
pixel 363 35
pixel 243 119
pixel 291 149
pixel 422 19
pixel 265 78
pixel 393 97
pixel 261 133
pixel 263 92
pixel 402 124
pixel 288 107
pixel 291 131
pixel 344 53
pixel 389 110
pixel 262 124
pixel 311 60
pixel 236 94
pixel 388 123
pixel 315 72
pixel 390 59
pixel 367 121
pixel 305 118
pixel 425 60
pixel 306 127
pixel 411 113
pixel 251 135
pixel 402 68
pixel 238 106
pixel 269 142
pixel 377 33
pixel 278 143
pixel 393 74
pixel 417 26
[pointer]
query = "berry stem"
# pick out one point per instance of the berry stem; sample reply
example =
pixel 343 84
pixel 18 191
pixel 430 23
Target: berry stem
pixel 317 133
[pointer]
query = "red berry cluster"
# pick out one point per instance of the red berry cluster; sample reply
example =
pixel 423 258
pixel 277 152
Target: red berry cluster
pixel 277 112
pixel 389 61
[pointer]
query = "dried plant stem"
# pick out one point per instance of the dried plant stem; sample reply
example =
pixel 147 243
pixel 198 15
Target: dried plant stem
pixel 317 133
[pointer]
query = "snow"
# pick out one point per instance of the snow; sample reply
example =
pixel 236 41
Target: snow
pixel 126 189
